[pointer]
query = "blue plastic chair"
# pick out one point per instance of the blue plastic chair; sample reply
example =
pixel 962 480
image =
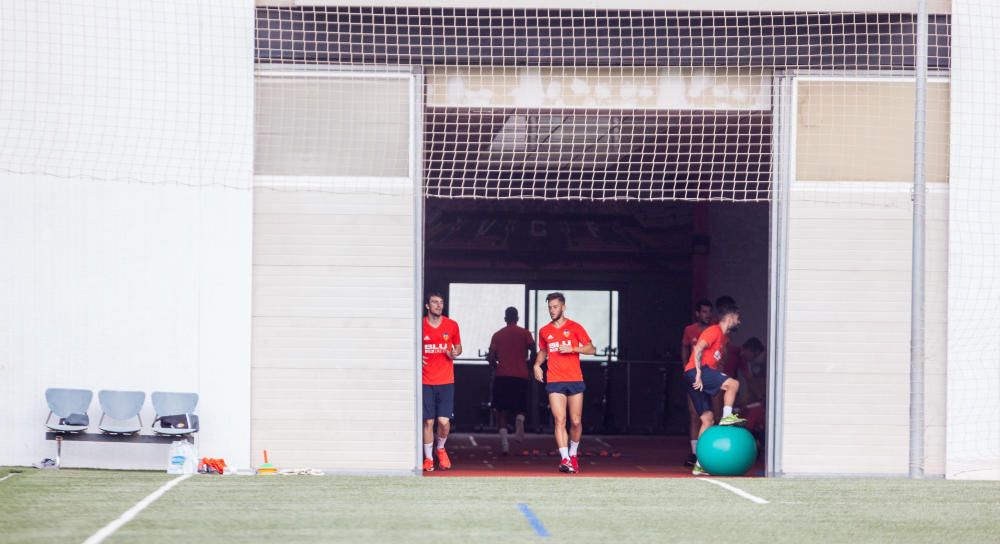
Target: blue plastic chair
pixel 121 406
pixel 168 404
pixel 63 402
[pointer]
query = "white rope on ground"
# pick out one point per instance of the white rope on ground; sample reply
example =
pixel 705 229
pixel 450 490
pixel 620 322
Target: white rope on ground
pixel 736 490
pixel 131 513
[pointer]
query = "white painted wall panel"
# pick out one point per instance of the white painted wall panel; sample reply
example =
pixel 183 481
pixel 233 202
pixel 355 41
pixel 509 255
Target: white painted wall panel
pixel 334 324
pixel 125 216
pixel 847 329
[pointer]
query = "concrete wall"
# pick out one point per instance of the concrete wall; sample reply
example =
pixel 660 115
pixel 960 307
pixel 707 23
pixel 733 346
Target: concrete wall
pixel 847 329
pixel 738 263
pixel 125 217
pixel 334 305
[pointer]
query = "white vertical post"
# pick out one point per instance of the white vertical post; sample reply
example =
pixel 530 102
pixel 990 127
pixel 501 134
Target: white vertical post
pixel 917 293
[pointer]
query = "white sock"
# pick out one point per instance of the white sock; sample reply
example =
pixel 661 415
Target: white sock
pixel 504 444
pixel 573 446
pixel 503 433
pixel 440 442
pixel 727 411
pixel 427 450
pixel 564 453
pixel 694 446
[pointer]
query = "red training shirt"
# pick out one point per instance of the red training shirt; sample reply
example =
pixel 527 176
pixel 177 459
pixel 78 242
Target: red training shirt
pixel 691 333
pixel 439 368
pixel 563 367
pixel 716 348
pixel 512 345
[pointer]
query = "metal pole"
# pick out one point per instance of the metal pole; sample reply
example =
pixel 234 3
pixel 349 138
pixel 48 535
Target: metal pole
pixel 917 293
pixel 416 97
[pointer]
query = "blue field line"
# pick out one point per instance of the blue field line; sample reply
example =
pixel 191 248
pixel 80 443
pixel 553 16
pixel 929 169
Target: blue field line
pixel 536 524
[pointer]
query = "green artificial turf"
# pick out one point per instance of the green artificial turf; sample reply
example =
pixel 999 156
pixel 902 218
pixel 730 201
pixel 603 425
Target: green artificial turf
pixel 70 505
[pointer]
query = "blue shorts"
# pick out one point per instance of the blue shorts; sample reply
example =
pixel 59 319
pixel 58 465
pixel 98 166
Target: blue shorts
pixel 565 388
pixel 712 381
pixel 439 401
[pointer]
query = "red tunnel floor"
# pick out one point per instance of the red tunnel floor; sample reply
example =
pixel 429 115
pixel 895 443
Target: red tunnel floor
pixel 600 457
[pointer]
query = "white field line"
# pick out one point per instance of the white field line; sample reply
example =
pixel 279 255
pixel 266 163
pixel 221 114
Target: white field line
pixel 601 442
pixel 11 475
pixel 473 440
pixel 131 513
pixel 736 490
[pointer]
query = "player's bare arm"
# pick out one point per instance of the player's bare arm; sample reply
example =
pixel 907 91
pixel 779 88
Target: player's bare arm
pixel 539 361
pixel 698 349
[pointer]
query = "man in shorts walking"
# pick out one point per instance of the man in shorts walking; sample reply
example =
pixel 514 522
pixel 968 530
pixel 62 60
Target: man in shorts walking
pixel 442 344
pixel 511 353
pixel 562 342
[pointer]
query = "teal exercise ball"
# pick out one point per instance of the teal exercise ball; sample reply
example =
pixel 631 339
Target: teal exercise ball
pixel 726 451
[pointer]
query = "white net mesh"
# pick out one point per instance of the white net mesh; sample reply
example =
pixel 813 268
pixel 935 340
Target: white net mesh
pixel 137 94
pixel 599 104
pixel 560 104
pixel 973 414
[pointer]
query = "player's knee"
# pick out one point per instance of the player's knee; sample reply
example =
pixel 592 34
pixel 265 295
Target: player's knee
pixel 708 418
pixel 559 420
pixel 576 422
pixel 443 422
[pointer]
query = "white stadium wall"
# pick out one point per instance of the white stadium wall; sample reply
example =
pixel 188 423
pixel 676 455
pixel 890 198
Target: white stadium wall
pixel 974 246
pixel 125 217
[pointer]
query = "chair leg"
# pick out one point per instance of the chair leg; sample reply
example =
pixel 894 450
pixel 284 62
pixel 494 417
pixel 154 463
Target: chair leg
pixel 59 440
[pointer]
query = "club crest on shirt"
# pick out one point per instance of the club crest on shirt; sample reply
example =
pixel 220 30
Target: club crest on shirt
pixel 717 356
pixel 445 336
pixel 566 333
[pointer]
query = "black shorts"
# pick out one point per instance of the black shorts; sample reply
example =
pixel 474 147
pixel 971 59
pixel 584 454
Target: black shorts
pixel 510 394
pixel 566 388
pixel 712 381
pixel 439 401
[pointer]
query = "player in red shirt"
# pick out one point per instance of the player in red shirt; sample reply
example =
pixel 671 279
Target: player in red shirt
pixel 702 319
pixel 703 373
pixel 511 353
pixel 561 342
pixel 442 344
